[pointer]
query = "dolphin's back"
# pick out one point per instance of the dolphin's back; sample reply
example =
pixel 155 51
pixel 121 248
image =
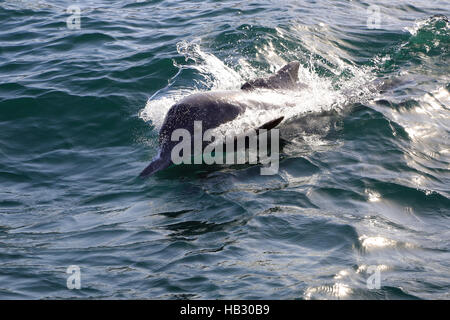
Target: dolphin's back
pixel 207 108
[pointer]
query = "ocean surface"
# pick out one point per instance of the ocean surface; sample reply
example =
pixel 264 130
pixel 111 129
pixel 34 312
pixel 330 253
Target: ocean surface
pixel 359 209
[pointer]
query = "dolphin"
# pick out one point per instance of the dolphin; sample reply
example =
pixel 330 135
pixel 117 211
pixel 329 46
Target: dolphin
pixel 215 109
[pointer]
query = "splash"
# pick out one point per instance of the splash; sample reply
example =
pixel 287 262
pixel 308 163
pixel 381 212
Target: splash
pixel 437 24
pixel 320 93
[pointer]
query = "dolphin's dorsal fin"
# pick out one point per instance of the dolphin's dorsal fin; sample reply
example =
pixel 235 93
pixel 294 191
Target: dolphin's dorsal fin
pixel 285 78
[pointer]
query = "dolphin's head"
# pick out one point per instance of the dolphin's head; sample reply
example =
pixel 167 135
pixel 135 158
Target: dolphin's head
pixel 161 162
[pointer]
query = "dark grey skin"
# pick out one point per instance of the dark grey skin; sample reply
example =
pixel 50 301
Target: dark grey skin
pixel 215 109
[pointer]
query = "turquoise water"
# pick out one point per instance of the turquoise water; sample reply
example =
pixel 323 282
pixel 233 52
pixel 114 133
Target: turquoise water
pixel 364 175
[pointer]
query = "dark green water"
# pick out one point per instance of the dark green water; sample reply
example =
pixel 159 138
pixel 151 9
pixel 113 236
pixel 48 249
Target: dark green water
pixel 365 184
